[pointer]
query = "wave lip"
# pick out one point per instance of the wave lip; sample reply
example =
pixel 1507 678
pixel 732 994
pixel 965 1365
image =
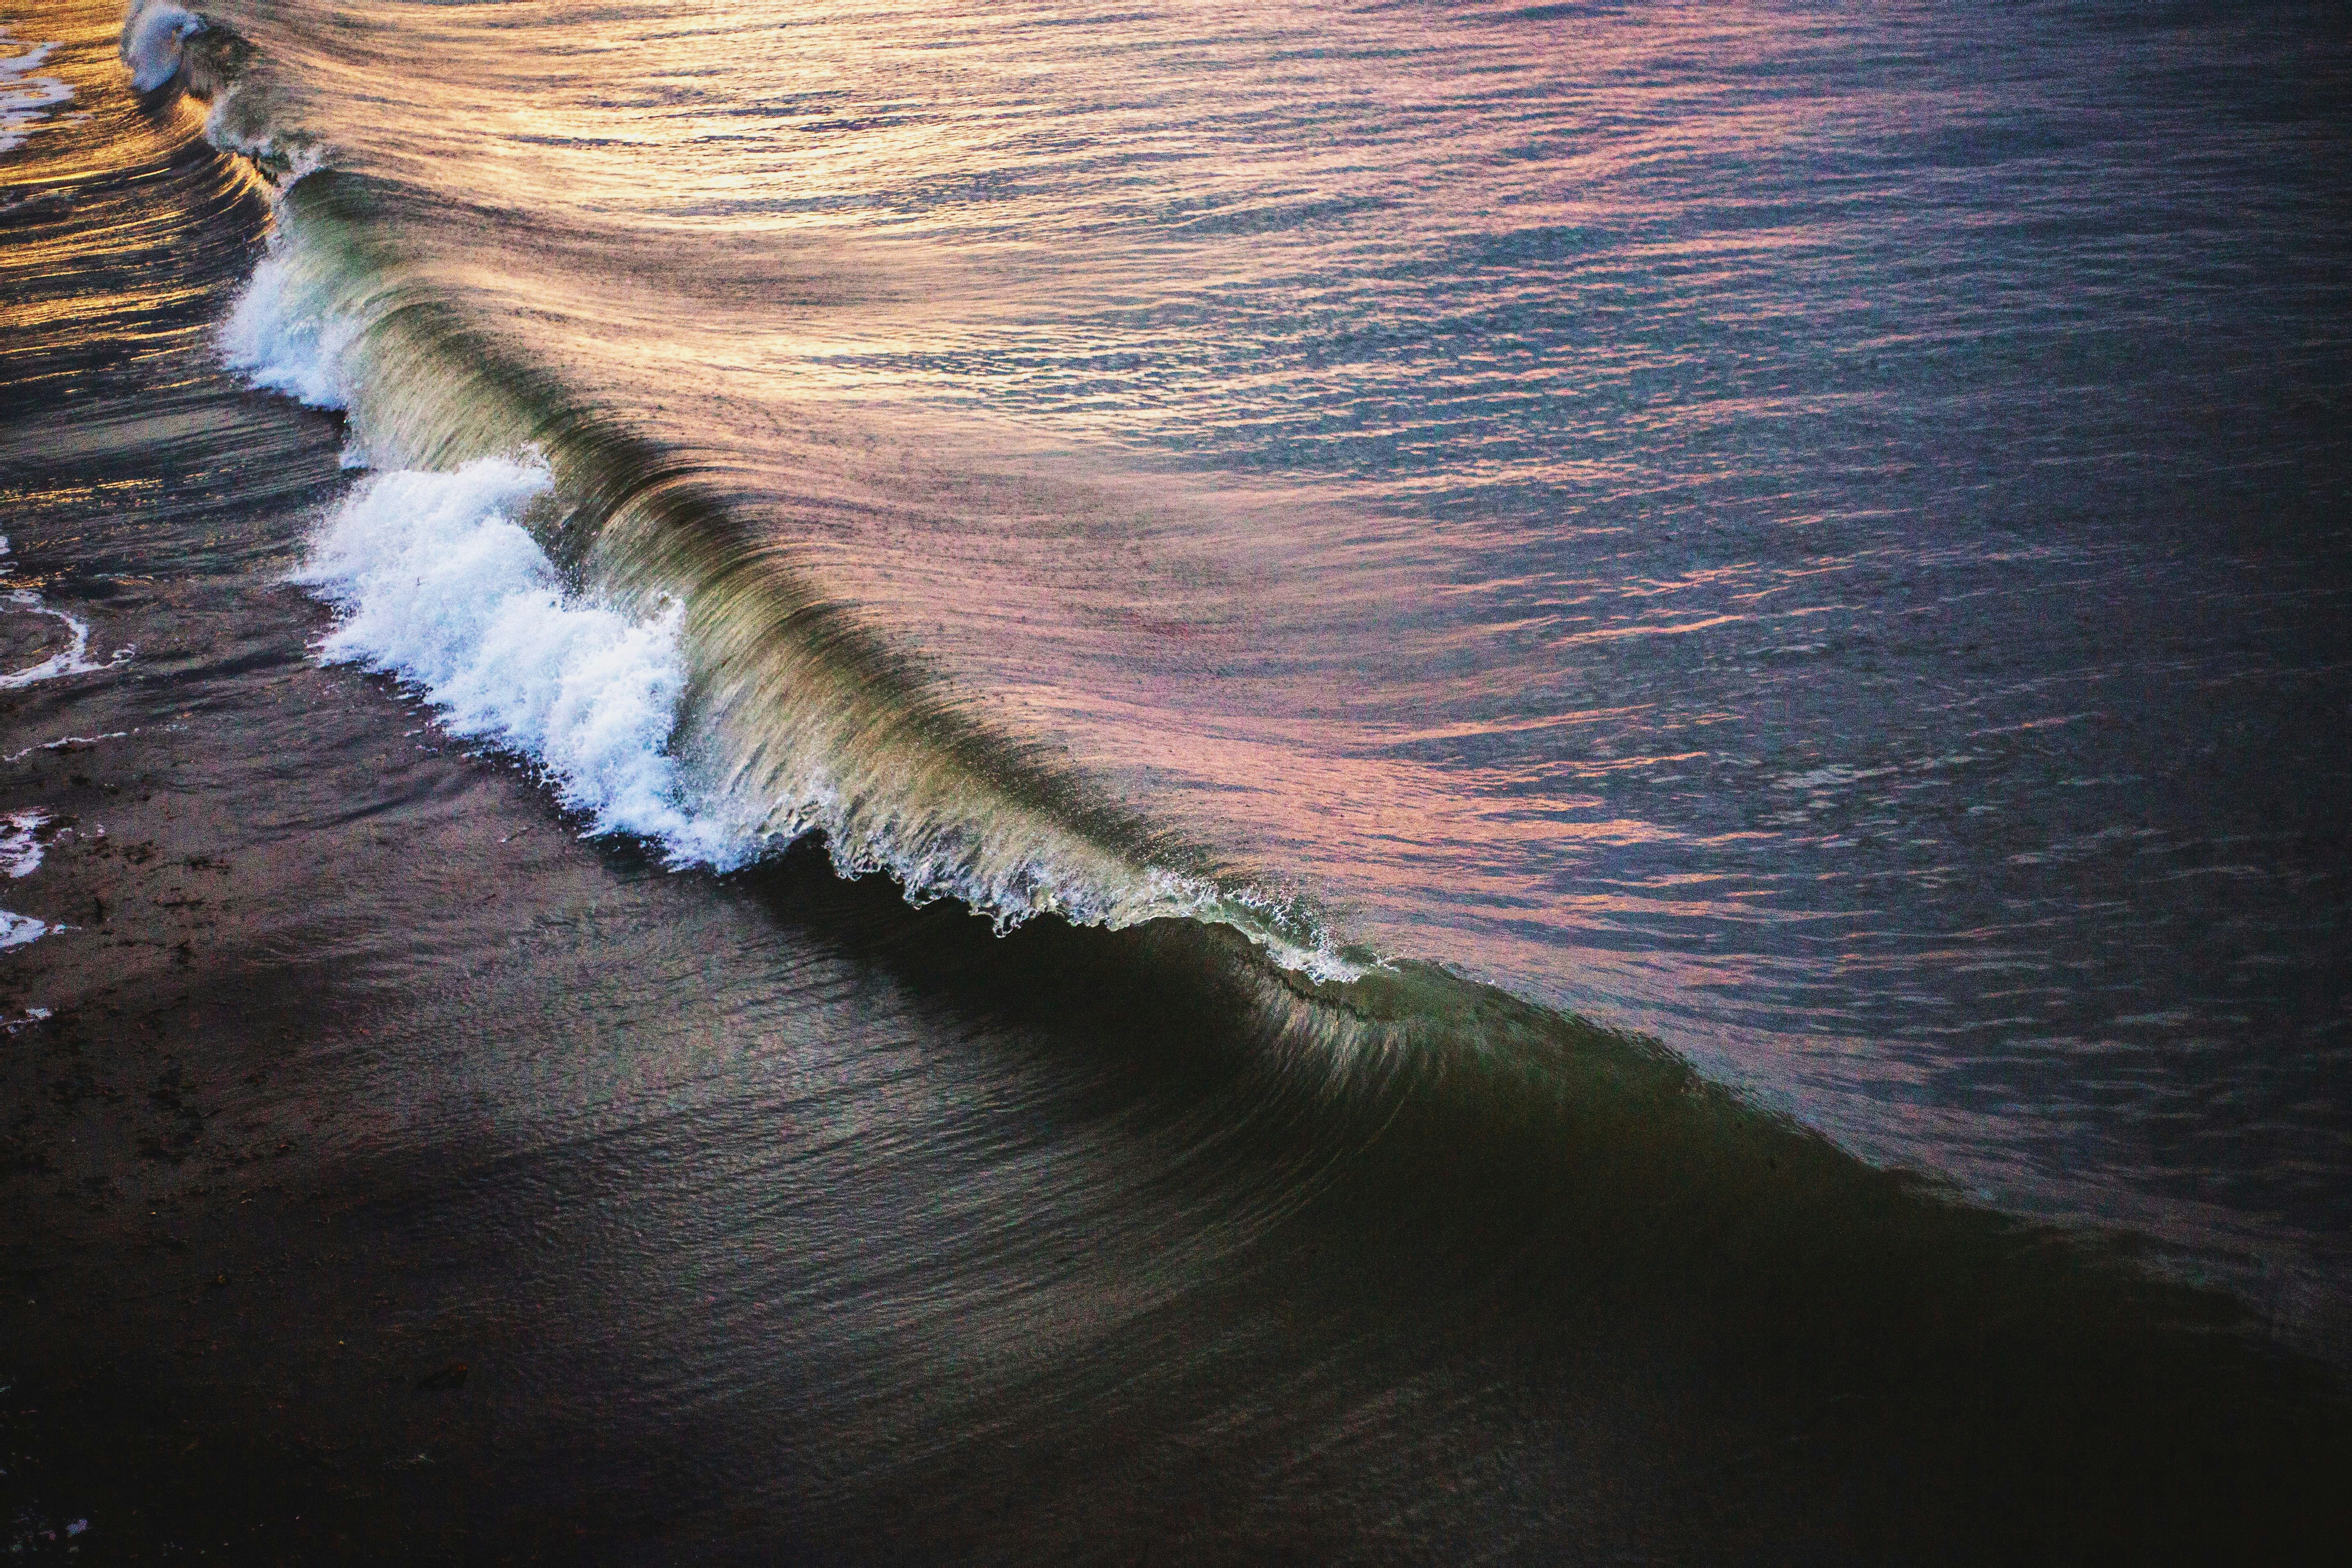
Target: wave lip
pixel 153 35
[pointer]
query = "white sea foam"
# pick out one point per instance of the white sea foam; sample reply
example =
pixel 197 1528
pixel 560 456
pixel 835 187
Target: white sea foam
pixel 64 743
pixel 20 844
pixel 281 340
pixel 17 930
pixel 441 584
pixel 26 100
pixel 20 855
pixel 72 659
pixel 152 39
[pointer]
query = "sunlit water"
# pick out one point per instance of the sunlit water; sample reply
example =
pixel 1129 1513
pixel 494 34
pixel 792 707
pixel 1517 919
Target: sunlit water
pixel 1817 531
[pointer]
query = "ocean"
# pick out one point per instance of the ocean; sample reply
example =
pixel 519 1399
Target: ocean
pixel 1317 782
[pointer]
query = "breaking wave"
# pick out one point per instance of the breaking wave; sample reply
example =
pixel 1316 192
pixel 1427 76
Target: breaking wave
pixel 617 622
pixel 557 582
pixel 440 584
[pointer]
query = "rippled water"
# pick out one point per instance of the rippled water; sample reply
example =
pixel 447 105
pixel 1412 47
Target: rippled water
pixel 1817 531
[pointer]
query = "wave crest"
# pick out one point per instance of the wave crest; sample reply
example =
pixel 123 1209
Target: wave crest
pixel 153 35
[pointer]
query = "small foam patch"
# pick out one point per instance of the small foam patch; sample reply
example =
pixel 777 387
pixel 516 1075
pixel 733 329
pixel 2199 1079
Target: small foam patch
pixel 20 843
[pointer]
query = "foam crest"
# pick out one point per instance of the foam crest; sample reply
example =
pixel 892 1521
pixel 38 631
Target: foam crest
pixel 440 583
pixel 281 338
pixel 152 37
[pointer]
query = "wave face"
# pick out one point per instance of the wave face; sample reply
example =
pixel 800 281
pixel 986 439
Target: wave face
pixel 804 434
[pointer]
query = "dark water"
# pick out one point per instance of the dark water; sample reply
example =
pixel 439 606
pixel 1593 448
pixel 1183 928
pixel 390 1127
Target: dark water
pixel 1817 533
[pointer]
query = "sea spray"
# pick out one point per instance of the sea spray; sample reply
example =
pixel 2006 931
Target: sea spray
pixel 280 343
pixel 440 584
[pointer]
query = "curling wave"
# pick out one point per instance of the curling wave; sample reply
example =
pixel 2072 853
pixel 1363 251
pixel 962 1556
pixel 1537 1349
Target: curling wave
pixel 624 580
pixel 558 583
pixel 439 585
